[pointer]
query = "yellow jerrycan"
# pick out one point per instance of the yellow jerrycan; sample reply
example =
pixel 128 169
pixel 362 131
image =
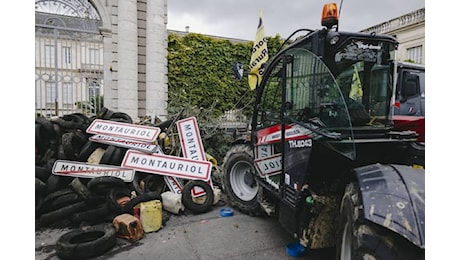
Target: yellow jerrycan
pixel 151 215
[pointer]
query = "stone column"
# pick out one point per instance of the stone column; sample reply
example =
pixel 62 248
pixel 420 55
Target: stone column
pixel 156 59
pixel 127 58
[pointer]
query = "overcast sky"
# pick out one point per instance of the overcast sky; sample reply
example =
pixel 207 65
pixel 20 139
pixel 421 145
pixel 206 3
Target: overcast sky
pixel 239 18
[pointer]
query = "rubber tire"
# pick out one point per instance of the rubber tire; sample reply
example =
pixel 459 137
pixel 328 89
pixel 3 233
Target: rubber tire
pixel 38 204
pixel 238 161
pixel 113 195
pixel 64 200
pixel 40 187
pixel 360 239
pixel 88 148
pixel 61 214
pixel 104 113
pixel 121 117
pixel 57 182
pixel 83 244
pixel 72 144
pixel 187 199
pixel 50 197
pixel 103 184
pixel 42 173
pixel 117 156
pixel 108 154
pixel 154 183
pixel 93 215
pixel 147 196
pixel 81 189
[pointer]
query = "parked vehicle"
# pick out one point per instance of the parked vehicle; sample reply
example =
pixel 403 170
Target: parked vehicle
pixel 410 89
pixel 323 156
pixel 409 108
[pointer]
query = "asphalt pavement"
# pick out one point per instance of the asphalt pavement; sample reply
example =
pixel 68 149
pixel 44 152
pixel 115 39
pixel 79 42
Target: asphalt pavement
pixel 189 236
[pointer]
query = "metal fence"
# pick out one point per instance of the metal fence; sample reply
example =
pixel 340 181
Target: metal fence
pixel 68 65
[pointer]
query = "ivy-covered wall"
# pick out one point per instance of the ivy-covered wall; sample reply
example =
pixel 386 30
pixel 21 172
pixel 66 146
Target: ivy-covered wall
pixel 201 83
pixel 200 73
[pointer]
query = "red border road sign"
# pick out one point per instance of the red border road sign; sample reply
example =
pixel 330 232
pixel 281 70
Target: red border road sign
pixel 268 166
pixel 126 143
pixel 174 184
pixel 192 146
pixel 190 138
pixel 167 165
pixel 124 130
pixel 85 170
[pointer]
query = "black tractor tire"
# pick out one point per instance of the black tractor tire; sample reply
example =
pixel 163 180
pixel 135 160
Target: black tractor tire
pixel 358 238
pixel 187 198
pixel 239 181
pixel 83 244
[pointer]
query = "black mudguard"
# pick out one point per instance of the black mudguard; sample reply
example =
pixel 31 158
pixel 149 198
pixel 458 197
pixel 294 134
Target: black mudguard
pixel 393 196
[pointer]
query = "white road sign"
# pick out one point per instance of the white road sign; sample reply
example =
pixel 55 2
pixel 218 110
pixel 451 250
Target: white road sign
pixel 124 130
pixel 126 143
pixel 192 146
pixel 167 165
pixel 174 184
pixel 268 166
pixel 85 170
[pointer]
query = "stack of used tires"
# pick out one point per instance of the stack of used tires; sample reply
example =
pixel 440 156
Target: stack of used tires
pixel 74 201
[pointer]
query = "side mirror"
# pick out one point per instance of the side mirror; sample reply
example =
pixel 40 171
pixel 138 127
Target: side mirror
pixel 238 70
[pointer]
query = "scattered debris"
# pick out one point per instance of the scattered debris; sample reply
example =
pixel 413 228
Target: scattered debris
pixel 80 180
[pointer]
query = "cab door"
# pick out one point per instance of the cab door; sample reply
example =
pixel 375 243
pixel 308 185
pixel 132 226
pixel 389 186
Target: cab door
pixel 298 104
pixel 410 93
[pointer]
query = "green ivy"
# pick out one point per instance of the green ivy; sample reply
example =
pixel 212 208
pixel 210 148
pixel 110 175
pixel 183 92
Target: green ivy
pixel 201 83
pixel 200 73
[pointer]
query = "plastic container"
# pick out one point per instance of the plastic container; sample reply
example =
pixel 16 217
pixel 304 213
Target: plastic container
pixel 127 226
pixel 172 202
pixel 151 215
pixel 295 250
pixel 217 195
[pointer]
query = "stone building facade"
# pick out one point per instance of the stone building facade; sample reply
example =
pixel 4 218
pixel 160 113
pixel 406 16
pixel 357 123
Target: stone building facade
pixel 409 30
pixel 114 48
pixel 135 56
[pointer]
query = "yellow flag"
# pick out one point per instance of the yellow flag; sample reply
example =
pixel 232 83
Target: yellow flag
pixel 356 91
pixel 259 56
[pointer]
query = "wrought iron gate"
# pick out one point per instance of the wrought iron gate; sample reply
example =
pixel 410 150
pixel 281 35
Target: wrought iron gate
pixel 68 65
